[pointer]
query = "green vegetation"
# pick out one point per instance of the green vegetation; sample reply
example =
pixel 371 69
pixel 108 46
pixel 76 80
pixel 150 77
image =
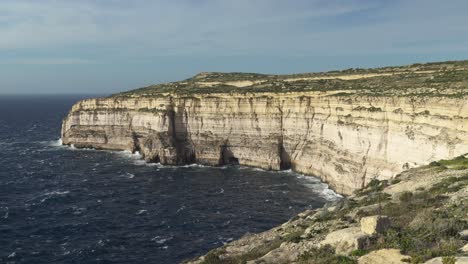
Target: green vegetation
pixel 459 163
pixel 422 226
pixel 324 255
pixel 359 252
pixel 373 186
pixel 152 110
pixel 213 257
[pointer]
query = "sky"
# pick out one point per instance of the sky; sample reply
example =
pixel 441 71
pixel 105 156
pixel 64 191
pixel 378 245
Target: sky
pixel 108 46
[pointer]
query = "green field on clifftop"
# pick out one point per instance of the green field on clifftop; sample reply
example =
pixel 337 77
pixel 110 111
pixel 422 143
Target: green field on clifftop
pixel 443 79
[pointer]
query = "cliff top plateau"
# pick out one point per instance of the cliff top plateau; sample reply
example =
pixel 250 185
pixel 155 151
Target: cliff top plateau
pixel 429 79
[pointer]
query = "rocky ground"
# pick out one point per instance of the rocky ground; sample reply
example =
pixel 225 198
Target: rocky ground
pixel 421 216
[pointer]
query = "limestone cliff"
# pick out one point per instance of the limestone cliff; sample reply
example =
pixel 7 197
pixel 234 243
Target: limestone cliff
pixel 345 127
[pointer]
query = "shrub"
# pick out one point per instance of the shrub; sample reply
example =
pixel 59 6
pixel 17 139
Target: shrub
pixel 324 255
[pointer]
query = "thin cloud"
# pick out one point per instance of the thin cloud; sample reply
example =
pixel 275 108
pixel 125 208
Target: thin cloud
pixel 48 61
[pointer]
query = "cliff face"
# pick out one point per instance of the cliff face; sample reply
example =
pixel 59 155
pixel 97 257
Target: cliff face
pixel 346 139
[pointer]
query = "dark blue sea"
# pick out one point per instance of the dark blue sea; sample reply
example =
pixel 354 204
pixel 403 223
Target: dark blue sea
pixel 63 205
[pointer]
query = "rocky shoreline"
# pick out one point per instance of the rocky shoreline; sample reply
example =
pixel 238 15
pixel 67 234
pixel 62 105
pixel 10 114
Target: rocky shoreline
pixel 421 216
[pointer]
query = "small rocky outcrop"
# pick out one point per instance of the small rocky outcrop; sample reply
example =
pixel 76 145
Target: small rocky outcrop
pixel 375 224
pixel 384 256
pixel 345 241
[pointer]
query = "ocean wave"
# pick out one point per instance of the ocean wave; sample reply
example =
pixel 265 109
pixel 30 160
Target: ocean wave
pixel 330 194
pixel 129 175
pixel 55 143
pixel 161 240
pixel 180 209
pixel 140 212
pixel 53 194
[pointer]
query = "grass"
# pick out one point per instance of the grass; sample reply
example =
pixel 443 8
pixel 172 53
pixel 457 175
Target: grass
pixel 450 81
pixel 373 186
pixel 213 257
pixel 459 163
pixel 324 255
pixel 421 226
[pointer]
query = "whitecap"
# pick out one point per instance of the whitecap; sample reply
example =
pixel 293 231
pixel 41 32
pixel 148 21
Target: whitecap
pixel 55 143
pixel 180 209
pixel 129 154
pixel 12 255
pixel 330 194
pixel 195 165
pixel 161 240
pixel 129 175
pixel 141 212
pixel 224 240
pixel 49 195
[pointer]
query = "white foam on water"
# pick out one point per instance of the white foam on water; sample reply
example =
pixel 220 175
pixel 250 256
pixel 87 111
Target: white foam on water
pixel 56 143
pixel 180 209
pixel 141 212
pixel 161 240
pixel 319 187
pixel 49 195
pixel 128 154
pixel 130 175
pixel 195 165
pixel 330 194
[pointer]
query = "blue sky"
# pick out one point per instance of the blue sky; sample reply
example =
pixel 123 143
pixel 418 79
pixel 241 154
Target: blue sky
pixel 106 46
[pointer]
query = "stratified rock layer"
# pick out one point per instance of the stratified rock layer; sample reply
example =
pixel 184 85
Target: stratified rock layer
pixel 344 138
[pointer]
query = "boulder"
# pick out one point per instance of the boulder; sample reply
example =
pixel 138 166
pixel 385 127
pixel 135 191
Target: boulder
pixel 346 240
pixel 383 256
pixel 439 260
pixel 374 224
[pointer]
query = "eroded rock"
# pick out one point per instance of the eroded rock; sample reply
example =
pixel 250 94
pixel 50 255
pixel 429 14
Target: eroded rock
pixel 346 240
pixel 374 224
pixel 383 256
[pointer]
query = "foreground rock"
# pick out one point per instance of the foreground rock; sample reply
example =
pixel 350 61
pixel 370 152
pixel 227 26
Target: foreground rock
pixel 382 223
pixel 347 240
pixel 375 224
pixel 384 256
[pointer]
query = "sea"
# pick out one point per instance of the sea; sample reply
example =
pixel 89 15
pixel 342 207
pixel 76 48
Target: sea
pixel 59 204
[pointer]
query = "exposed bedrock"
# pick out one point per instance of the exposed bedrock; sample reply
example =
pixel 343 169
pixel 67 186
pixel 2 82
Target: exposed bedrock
pixel 345 140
